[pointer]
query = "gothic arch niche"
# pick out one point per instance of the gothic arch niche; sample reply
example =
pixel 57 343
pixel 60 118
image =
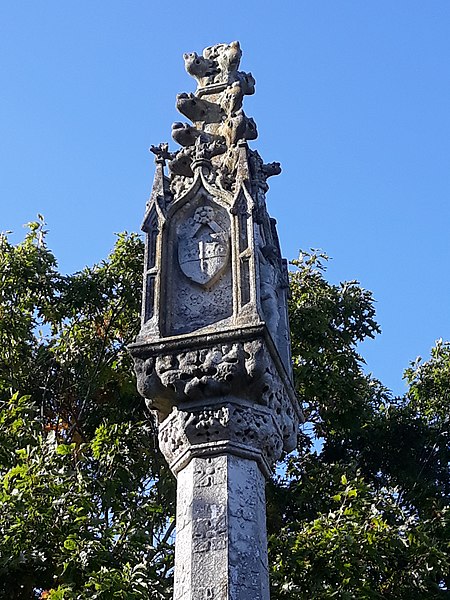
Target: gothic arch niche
pixel 200 292
pixel 151 271
pixel 244 249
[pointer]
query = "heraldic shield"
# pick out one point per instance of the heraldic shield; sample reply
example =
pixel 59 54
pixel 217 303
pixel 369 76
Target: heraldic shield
pixel 203 247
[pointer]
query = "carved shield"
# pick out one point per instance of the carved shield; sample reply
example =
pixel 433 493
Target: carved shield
pixel 203 249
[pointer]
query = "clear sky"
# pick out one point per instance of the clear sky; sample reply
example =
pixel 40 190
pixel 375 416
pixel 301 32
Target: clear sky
pixel 352 97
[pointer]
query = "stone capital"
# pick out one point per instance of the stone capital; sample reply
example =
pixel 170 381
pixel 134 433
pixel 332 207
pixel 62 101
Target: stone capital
pixel 225 392
pixel 229 428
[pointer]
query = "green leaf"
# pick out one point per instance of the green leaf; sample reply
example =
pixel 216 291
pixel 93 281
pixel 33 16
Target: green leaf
pixel 65 449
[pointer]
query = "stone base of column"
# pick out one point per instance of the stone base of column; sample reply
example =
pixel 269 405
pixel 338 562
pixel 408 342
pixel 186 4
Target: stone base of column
pixel 221 545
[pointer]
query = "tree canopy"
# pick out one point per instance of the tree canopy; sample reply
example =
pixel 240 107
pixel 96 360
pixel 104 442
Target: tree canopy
pixel 360 510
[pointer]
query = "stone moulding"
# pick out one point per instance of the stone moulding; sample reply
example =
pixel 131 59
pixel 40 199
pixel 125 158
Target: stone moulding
pixel 223 392
pixel 244 431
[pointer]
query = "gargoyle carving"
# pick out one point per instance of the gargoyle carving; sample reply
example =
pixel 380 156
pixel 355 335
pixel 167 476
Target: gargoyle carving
pixel 181 163
pixel 201 68
pixel 186 135
pixel 198 109
pixel 238 127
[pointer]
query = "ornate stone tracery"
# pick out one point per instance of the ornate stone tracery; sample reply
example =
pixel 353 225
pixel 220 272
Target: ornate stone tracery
pixel 212 358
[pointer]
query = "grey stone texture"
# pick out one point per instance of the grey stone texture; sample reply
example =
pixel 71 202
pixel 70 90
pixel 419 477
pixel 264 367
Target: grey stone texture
pixel 212 358
pixel 221 550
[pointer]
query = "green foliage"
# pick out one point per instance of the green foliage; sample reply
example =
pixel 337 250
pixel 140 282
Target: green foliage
pixel 327 321
pixel 363 509
pixel 28 283
pixel 86 500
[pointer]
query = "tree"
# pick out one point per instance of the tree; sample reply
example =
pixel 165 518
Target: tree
pixel 365 514
pixel 87 502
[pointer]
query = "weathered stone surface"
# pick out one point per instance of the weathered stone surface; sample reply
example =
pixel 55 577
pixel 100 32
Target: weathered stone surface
pixel 221 546
pixel 229 428
pixel 213 358
pixel 198 375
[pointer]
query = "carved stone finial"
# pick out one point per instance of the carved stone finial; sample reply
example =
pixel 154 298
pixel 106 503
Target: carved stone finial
pixel 217 171
pixel 219 124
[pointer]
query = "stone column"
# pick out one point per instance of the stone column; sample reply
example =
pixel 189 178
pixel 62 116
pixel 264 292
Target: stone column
pixel 212 358
pixel 221 545
pixel 232 411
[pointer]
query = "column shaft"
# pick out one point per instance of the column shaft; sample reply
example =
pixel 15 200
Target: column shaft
pixel 221 546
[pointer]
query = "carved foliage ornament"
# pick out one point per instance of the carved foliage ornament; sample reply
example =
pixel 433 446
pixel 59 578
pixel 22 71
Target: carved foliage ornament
pixel 250 429
pixel 241 370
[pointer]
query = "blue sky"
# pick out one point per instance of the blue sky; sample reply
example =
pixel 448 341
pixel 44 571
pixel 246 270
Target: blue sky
pixel 352 97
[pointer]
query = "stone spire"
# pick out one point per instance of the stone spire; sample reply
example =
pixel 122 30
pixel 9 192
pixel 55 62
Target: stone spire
pixel 213 355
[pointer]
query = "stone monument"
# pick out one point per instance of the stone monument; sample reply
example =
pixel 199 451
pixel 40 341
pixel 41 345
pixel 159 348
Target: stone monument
pixel 213 355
